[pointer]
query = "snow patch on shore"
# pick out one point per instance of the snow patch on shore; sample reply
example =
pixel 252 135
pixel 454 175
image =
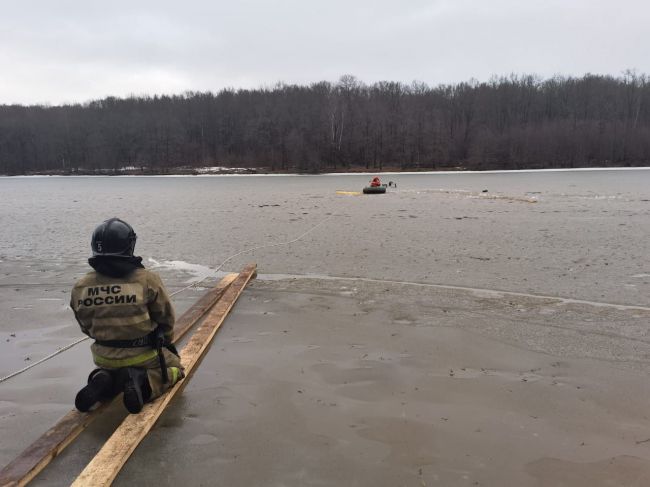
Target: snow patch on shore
pixel 221 169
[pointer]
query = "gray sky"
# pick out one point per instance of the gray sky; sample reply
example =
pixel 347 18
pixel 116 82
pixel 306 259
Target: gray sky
pixel 70 50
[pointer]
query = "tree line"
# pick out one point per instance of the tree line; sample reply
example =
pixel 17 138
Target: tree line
pixel 513 122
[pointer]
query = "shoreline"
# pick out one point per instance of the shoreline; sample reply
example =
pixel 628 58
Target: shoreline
pixel 349 173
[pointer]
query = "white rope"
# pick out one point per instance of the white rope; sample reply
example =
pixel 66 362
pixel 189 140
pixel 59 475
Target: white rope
pixel 60 350
pixel 67 347
pixel 252 249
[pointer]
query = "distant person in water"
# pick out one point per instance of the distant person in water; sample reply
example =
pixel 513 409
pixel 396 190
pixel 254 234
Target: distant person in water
pixel 126 310
pixel 375 182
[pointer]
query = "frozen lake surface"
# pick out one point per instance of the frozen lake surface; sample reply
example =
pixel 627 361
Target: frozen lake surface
pixel 434 335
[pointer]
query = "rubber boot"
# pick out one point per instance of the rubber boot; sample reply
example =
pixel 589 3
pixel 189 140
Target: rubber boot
pixel 100 386
pixel 137 390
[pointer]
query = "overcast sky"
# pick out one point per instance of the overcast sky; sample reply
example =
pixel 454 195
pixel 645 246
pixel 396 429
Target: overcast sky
pixel 73 51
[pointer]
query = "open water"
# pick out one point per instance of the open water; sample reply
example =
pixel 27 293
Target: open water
pixel 581 234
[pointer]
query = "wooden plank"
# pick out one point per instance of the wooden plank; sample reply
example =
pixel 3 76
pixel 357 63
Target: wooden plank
pixel 103 469
pixel 39 454
pixel 201 307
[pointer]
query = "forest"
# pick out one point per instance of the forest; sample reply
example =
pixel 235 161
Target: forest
pixel 510 122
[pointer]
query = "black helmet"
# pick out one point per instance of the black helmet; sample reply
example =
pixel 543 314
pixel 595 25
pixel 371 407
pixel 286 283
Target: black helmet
pixel 114 238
